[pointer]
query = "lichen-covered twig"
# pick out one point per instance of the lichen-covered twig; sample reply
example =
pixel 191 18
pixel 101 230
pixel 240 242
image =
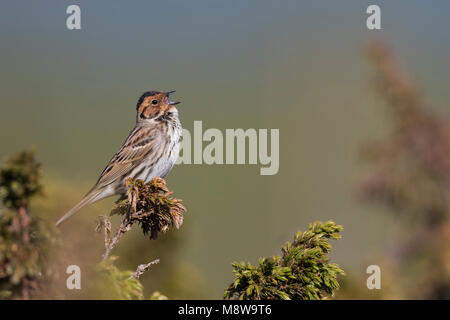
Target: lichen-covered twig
pixel 143 267
pixel 104 224
pixel 125 226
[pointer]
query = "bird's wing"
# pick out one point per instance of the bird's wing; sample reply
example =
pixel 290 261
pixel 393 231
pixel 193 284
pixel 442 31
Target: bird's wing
pixel 141 142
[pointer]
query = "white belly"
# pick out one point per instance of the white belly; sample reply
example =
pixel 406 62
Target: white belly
pixel 162 167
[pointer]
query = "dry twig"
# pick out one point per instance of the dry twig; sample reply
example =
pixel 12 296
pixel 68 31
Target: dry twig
pixel 142 268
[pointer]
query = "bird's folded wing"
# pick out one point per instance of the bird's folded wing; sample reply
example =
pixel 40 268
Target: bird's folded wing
pixel 139 144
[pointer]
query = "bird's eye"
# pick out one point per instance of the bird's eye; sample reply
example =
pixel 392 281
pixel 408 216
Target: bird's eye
pixel 154 102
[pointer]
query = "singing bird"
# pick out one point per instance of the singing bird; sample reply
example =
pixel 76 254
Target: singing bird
pixel 149 151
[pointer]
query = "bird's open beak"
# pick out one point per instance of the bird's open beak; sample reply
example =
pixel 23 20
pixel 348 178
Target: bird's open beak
pixel 171 103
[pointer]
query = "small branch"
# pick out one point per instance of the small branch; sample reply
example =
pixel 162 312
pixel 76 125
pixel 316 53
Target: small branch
pixel 111 243
pixel 125 226
pixel 104 224
pixel 142 268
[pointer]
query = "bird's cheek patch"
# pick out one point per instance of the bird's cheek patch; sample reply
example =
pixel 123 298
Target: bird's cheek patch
pixel 148 112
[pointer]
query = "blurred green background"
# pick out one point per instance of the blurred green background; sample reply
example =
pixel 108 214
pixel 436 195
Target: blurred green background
pixel 293 65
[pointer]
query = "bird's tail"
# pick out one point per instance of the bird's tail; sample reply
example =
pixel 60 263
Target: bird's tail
pixel 88 199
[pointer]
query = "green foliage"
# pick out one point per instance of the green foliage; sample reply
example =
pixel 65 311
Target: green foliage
pixel 23 239
pixel 303 272
pixel 120 284
pixel 112 283
pixel 150 205
pixel 20 179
